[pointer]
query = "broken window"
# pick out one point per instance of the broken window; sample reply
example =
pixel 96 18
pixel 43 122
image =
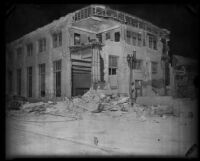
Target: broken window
pixel 77 39
pixel 113 64
pixel 117 36
pixel 42 44
pixel 19 51
pixel 10 78
pixel 19 74
pixel 138 64
pixel 57 68
pixel 29 49
pixel 134 38
pixel 154 67
pixel 107 35
pixel 42 79
pixel 29 81
pixel 57 39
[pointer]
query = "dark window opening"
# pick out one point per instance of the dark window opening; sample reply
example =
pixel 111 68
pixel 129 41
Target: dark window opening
pixel 77 39
pixel 113 64
pixel 57 39
pixel 29 81
pixel 128 34
pixel 19 73
pixel 42 44
pixel 57 67
pixel 42 79
pixel 107 35
pixel 154 67
pixel 134 38
pixel 152 42
pixel 139 40
pixel 29 49
pixel 99 37
pixel 117 36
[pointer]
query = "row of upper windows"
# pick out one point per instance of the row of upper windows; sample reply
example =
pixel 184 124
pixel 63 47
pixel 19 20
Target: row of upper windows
pixel 113 65
pixel 57 42
pixel 135 39
pixel 132 38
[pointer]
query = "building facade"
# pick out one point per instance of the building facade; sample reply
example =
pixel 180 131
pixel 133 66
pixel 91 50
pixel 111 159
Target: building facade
pixel 88 48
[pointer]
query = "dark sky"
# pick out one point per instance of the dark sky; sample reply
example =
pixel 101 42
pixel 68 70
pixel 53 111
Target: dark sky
pixel 182 20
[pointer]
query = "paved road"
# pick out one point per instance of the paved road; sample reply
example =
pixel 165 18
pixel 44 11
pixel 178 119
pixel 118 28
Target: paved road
pixel 22 143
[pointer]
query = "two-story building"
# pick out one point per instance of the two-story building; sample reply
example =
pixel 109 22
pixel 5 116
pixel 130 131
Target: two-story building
pixel 87 48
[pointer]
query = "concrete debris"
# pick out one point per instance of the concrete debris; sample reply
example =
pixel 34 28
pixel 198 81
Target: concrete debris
pixel 96 101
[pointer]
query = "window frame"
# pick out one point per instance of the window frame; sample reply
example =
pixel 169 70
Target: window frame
pixel 57 39
pixel 19 51
pixel 42 79
pixel 29 49
pixel 113 65
pixel 116 36
pixel 75 41
pixel 42 45
pixel 154 67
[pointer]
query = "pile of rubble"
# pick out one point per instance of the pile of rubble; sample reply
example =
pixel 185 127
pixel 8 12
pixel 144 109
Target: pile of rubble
pixel 95 101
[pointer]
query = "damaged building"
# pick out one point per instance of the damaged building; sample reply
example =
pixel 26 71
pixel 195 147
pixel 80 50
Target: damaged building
pixel 89 48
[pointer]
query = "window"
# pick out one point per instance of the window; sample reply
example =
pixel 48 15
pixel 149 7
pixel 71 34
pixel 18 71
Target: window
pixel 42 45
pixel 152 42
pixel 29 81
pixel 57 68
pixel 107 35
pixel 77 39
pixel 139 40
pixel 113 65
pixel 138 64
pixel 29 49
pixel 19 72
pixel 42 79
pixel 134 38
pixel 19 51
pixel 57 39
pixel 117 36
pixel 99 37
pixel 10 78
pixel 128 34
pixel 154 67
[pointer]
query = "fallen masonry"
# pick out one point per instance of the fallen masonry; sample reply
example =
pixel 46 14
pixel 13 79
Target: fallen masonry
pixel 95 101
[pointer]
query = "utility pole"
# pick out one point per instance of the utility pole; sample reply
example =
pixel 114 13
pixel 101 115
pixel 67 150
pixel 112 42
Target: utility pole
pixel 131 58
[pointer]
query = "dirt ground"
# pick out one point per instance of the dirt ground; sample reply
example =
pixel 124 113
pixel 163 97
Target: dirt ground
pixel 107 133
